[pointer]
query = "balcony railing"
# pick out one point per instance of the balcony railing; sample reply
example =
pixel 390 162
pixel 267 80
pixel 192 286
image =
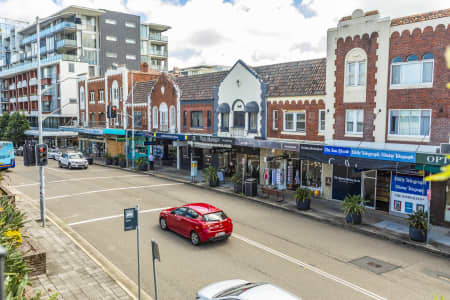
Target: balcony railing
pixel 23 99
pixel 158 67
pixel 33 98
pixel 12 100
pixel 24 84
pixel 66 43
pixel 24 67
pixel 70 57
pixel 48 31
pixel 33 81
pixel 159 52
pixel 158 37
pixel 237 131
pixel 12 86
pixel 43 50
pixel 19 84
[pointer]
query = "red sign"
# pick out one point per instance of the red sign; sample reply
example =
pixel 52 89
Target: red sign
pixel 429 194
pixel 243 161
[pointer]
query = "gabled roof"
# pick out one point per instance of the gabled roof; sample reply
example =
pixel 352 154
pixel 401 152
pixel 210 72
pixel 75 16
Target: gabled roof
pixel 141 91
pixel 297 78
pixel 199 87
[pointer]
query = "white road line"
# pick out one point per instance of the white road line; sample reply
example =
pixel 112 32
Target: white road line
pixel 309 267
pixel 53 169
pixel 116 216
pixel 78 179
pixel 113 189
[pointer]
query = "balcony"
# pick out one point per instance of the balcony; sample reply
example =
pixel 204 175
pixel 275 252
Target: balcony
pixel 237 131
pixel 162 53
pixel 158 37
pixel 65 45
pixel 48 31
pixel 12 86
pixel 33 81
pixel 27 66
pixel 158 68
pixel 12 100
pixel 43 50
pixel 23 99
pixel 24 84
pixel 4 99
pixel 70 57
pixel 33 98
pixel 19 84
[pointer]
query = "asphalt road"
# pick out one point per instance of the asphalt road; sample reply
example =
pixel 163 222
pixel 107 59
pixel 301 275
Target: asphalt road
pixel 310 259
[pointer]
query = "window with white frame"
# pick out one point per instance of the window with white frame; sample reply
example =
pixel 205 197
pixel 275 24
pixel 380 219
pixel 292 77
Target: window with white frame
pixel 110 21
pixel 164 116
pixel 155 117
pixel 321 120
pixel 82 99
pixel 115 93
pixel 130 24
pixel 130 41
pixel 413 71
pixel 172 117
pixel 130 57
pixel 101 98
pixel 111 38
pixel 275 120
pixel 111 54
pixel 356 73
pixel 252 121
pixel 409 122
pixel 295 121
pixel 196 119
pixel 225 121
pixel 354 121
pixel 137 119
pixel 92 97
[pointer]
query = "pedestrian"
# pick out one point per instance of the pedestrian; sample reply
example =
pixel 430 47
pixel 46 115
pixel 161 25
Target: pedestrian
pixel 151 158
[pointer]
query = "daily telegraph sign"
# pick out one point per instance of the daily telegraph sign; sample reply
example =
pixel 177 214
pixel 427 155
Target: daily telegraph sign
pixel 408 194
pixel 407 157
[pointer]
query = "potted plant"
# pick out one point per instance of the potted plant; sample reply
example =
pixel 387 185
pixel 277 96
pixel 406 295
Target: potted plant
pixel 418 226
pixel 303 198
pixel 211 176
pixel 108 159
pixel 115 160
pixel 353 206
pixel 237 182
pixel 142 164
pixel 122 160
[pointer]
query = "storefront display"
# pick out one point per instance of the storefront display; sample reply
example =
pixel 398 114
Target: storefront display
pixel 311 175
pixel 408 194
pixel 346 181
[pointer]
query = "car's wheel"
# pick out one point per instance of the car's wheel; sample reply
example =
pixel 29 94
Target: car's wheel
pixel 59 164
pixel 195 238
pixel 69 166
pixel 163 223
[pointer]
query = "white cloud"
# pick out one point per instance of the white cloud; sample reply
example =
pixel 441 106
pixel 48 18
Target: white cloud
pixel 257 31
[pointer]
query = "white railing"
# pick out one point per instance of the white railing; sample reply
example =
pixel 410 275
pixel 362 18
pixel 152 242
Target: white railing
pixel 33 81
pixel 12 100
pixel 237 131
pixel 23 99
pixel 19 84
pixel 12 86
pixel 24 83
pixel 33 98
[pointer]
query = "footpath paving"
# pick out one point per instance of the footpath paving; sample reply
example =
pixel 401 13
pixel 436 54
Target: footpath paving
pixel 375 223
pixel 70 271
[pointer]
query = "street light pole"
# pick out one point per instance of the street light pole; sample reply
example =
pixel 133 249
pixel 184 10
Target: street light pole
pixel 132 120
pixel 41 137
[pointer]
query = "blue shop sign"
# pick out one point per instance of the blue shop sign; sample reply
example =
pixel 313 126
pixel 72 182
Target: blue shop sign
pixel 169 136
pixel 407 157
pixel 113 131
pixel 410 185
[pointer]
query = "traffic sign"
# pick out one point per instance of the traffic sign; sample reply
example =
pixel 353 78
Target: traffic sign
pixel 130 219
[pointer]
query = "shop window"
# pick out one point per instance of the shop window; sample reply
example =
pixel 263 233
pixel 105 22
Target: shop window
pixel 239 119
pixel 321 120
pixel 225 121
pixel 413 71
pixel 208 120
pixel 275 120
pixel 196 119
pixel 295 121
pixel 354 121
pixel 311 174
pixel 252 121
pixel 409 122
pixel 155 117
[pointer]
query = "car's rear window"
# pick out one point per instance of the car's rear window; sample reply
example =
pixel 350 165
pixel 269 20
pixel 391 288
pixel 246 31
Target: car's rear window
pixel 238 290
pixel 214 217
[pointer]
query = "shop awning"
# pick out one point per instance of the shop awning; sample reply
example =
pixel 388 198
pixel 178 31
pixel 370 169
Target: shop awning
pixel 252 107
pixel 223 108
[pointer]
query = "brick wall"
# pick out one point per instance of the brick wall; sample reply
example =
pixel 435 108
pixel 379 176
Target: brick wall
pixel 190 107
pixel 419 42
pixel 370 46
pixel 169 96
pixel 311 107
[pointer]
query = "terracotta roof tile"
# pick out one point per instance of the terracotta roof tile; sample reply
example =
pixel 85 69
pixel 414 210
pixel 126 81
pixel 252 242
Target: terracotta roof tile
pixel 421 17
pixel 199 87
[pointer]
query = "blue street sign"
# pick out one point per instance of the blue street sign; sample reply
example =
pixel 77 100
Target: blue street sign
pixel 130 219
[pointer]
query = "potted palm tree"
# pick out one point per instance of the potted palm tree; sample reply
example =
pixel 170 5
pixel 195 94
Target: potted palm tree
pixel 115 160
pixel 303 198
pixel 418 226
pixel 122 160
pixel 237 182
pixel 142 164
pixel 354 207
pixel 211 176
pixel 108 159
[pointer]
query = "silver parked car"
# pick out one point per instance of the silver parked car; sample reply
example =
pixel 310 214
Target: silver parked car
pixel 72 160
pixel 243 290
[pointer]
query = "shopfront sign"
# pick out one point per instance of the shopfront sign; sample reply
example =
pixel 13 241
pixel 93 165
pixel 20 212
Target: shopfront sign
pixel 345 182
pixel 113 131
pixel 399 156
pixel 408 194
pixel 290 147
pixel 212 139
pixel 170 136
pixel 432 159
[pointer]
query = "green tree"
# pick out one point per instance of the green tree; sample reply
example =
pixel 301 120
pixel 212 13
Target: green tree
pixel 4 119
pixel 15 131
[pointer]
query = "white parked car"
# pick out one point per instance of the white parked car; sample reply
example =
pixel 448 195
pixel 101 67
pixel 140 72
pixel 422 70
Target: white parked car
pixel 73 160
pixel 52 153
pixel 243 290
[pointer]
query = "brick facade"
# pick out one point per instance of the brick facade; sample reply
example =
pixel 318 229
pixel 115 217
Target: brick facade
pixel 369 43
pixel 420 42
pixel 190 106
pixel 311 107
pixel 169 96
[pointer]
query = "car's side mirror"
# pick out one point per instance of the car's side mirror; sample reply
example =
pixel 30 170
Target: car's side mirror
pixel 172 212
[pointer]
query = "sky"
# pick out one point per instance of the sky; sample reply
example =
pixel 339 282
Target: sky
pixel 220 32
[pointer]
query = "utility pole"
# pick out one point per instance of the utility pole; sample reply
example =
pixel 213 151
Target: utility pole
pixel 41 137
pixel 132 120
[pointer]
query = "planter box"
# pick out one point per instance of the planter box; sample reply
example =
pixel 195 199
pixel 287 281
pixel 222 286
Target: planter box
pixel 417 235
pixel 237 188
pixel 214 183
pixel 34 256
pixel 353 218
pixel 143 167
pixel 123 164
pixel 115 161
pixel 303 205
pixel 109 161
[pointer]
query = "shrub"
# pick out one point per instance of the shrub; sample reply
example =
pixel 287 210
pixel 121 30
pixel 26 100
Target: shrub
pixel 353 204
pixel 418 220
pixel 302 194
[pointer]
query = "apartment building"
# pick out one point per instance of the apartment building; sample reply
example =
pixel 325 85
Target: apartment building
pixel 197 70
pixel 155 46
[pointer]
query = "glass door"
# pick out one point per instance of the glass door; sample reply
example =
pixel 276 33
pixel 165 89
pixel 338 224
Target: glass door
pixel 368 187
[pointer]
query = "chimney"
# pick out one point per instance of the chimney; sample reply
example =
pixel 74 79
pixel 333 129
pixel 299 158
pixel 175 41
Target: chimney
pixel 144 67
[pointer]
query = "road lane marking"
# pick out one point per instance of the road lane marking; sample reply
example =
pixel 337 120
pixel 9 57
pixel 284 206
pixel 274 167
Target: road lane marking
pixel 116 216
pixel 113 189
pixel 309 267
pixel 56 170
pixel 77 179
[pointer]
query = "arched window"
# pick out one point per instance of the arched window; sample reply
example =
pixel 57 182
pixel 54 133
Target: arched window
pixel 172 117
pixel 412 57
pixel 428 56
pixel 164 117
pixel 355 67
pixel 238 114
pixel 115 93
pixel 397 59
pixel 82 98
pixel 155 117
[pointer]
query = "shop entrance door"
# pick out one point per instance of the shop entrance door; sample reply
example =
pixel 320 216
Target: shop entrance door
pixel 368 188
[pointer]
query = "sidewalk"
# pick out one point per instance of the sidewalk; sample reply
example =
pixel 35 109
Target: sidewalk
pixel 70 271
pixel 375 223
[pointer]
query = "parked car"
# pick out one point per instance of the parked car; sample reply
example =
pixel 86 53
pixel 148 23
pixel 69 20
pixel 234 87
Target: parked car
pixel 51 153
pixel 57 155
pixel 240 289
pixel 18 151
pixel 200 222
pixel 72 160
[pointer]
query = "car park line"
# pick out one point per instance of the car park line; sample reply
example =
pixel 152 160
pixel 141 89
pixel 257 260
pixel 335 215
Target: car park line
pixel 113 189
pixel 309 267
pixel 78 179
pixel 115 216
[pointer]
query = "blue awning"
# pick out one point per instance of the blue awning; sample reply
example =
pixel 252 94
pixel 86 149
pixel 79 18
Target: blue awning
pixel 223 108
pixel 252 107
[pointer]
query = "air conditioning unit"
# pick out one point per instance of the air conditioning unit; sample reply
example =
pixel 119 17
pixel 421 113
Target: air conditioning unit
pixel 445 148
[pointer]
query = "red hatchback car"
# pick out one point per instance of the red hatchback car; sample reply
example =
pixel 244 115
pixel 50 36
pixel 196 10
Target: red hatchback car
pixel 200 222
